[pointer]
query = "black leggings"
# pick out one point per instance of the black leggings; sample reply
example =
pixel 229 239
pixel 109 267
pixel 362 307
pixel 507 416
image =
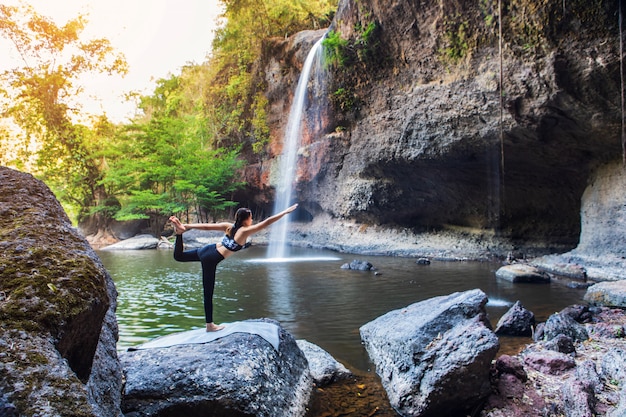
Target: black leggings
pixel 209 257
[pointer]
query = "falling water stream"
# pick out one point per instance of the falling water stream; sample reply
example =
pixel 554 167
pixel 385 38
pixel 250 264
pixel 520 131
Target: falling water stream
pixel 278 248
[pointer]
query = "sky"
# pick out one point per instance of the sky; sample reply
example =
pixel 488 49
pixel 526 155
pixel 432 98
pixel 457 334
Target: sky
pixel 157 37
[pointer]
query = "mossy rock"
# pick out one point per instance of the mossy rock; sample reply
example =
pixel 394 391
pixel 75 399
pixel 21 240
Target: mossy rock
pixel 53 301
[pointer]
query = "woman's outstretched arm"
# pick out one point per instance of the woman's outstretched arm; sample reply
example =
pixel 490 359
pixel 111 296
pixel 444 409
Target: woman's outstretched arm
pixel 250 230
pixel 222 226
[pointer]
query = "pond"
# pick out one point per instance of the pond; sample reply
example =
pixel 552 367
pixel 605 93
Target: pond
pixel 309 294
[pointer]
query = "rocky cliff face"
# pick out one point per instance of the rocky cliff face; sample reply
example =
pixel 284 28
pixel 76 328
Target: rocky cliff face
pixel 420 142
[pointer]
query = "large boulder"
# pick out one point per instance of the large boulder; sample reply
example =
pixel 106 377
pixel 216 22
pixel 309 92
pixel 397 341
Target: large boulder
pixel 239 374
pixel 433 357
pixel 57 309
pixel 610 294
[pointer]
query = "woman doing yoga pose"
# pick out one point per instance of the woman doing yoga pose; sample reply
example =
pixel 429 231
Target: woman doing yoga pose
pixel 209 256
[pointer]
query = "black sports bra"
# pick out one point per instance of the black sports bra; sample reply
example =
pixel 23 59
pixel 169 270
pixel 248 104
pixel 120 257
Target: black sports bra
pixel 230 244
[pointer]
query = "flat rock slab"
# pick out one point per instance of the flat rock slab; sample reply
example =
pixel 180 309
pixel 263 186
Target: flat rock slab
pixel 267 331
pixel 522 273
pixel 238 374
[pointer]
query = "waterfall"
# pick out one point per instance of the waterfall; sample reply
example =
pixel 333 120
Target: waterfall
pixel 288 162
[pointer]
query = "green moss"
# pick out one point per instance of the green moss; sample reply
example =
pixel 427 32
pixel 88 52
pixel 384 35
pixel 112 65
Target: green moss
pixel 46 285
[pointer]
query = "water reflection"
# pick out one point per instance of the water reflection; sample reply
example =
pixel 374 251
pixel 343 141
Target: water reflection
pixel 313 299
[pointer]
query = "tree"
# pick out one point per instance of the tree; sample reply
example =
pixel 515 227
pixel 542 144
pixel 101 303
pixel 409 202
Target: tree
pixel 164 163
pixel 39 96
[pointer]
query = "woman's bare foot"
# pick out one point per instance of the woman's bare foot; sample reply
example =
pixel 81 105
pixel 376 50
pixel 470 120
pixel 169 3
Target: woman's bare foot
pixel 179 229
pixel 210 327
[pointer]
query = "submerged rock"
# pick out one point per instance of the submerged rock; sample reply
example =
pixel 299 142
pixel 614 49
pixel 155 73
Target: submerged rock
pixel 433 357
pixel 358 265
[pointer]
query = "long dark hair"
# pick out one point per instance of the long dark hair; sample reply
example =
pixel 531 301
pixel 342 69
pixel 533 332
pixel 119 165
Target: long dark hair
pixel 241 215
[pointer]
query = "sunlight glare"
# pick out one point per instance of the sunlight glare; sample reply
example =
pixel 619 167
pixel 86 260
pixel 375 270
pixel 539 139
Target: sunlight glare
pixel 158 37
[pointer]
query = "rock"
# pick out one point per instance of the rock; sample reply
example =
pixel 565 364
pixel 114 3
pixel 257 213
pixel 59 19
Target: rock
pixel 613 366
pixel 517 321
pixel 57 308
pixel 577 312
pixel 548 361
pixel 135 243
pixel 323 367
pixel 578 401
pixel 610 294
pixel 433 357
pixel 563 324
pixel 522 273
pixel 358 266
pixel 506 364
pixel 561 343
pixel 423 261
pixel 239 374
pixel 567 270
pixel 587 383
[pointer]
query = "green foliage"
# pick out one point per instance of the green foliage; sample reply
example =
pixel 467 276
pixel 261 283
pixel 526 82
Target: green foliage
pixel 335 49
pixel 352 62
pixel 260 129
pixel 344 99
pixel 39 99
pixel 182 153
pixel 232 101
pixel 164 163
pixel 457 40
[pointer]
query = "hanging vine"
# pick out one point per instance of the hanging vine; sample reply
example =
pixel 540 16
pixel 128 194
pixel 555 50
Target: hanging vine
pixel 501 87
pixel 621 74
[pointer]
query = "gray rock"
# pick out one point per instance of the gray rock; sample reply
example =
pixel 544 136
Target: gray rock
pixel 578 400
pixel 522 273
pixel 323 367
pixel 613 370
pixel 434 356
pixel 358 265
pixel 135 243
pixel 561 343
pixel 610 294
pixel 517 321
pixel 563 324
pixel 239 374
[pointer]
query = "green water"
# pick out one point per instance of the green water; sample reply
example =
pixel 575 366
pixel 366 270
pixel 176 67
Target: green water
pixel 311 296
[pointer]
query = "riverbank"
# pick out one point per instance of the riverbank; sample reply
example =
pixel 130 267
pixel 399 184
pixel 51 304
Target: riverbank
pixel 450 244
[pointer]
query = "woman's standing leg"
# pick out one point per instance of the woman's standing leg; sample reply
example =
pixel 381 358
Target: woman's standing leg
pixel 210 257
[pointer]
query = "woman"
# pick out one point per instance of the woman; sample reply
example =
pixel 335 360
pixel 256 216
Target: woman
pixel 209 256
